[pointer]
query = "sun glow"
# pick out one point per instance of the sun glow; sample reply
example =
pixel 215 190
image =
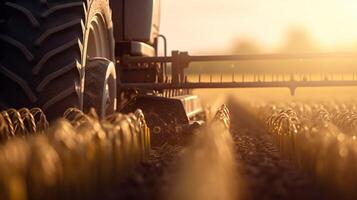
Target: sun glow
pixel 213 26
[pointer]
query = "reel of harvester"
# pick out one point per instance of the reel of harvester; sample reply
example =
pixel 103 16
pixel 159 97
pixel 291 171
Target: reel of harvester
pixel 179 62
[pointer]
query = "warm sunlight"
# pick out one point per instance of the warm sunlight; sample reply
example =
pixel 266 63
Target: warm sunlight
pixel 254 100
pixel 211 26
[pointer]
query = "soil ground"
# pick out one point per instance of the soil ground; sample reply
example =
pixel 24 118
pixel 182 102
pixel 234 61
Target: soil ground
pixel 265 173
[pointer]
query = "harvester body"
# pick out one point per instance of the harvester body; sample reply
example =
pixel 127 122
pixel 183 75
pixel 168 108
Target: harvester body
pixel 136 26
pixel 52 74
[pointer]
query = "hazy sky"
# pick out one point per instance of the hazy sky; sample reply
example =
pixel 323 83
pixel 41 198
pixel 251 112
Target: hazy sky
pixel 210 26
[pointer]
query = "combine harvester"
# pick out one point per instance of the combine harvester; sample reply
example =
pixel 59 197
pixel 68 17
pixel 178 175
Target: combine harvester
pixel 103 54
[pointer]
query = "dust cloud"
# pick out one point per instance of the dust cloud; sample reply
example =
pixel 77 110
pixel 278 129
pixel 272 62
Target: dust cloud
pixel 207 168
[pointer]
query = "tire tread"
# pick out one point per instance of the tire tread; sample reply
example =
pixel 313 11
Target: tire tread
pixel 30 64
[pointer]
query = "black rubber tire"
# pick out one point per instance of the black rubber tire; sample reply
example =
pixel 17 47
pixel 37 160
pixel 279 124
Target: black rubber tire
pixel 43 45
pixel 100 72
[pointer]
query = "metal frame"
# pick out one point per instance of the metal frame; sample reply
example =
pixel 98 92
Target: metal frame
pixel 181 60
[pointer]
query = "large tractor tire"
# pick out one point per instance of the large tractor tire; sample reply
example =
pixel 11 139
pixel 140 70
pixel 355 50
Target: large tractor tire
pixel 45 46
pixel 100 91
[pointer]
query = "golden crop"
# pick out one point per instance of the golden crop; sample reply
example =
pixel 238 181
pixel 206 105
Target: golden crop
pixel 319 137
pixel 72 159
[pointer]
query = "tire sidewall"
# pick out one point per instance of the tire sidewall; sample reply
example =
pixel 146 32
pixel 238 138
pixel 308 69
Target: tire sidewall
pixel 95 8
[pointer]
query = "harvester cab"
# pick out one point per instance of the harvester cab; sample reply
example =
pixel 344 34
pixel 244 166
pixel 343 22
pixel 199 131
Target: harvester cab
pixel 104 54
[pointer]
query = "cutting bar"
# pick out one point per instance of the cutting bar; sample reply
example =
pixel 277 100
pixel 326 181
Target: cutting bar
pixel 179 61
pixel 185 57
